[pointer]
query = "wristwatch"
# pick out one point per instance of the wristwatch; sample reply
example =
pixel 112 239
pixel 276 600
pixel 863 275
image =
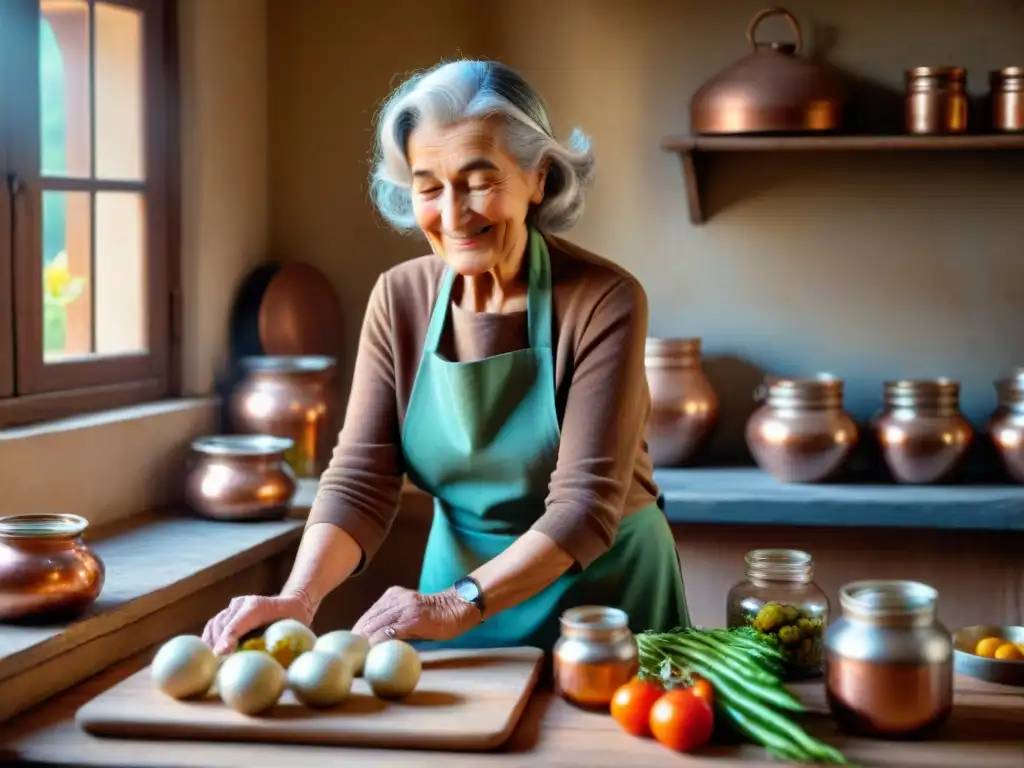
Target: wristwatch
pixel 469 590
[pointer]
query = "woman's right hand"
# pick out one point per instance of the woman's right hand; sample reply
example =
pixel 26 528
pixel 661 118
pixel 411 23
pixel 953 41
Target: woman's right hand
pixel 245 614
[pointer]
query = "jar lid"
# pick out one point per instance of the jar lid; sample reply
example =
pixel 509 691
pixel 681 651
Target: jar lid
pixel 242 445
pixel 879 598
pixel 594 618
pixel 288 363
pixel 42 526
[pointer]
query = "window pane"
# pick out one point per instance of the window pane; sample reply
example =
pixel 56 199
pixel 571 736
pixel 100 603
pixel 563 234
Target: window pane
pixel 119 93
pixel 67 262
pixel 120 274
pixel 66 143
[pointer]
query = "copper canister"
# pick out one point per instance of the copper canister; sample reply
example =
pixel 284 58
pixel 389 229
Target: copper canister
pixel 889 661
pixel 595 655
pixel 46 568
pixel 240 477
pixel 801 434
pixel 289 397
pixel 1006 427
pixel 936 100
pixel 921 431
pixel 684 406
pixel 1006 89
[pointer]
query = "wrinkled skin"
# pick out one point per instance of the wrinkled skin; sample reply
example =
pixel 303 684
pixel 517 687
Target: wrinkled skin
pixel 415 616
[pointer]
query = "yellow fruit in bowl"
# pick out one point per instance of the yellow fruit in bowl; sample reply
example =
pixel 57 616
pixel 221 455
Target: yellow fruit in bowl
pixel 987 646
pixel 1009 652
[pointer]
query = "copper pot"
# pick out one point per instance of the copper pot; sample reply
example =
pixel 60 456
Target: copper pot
pixel 801 434
pixel 771 90
pixel 46 568
pixel 936 101
pixel 922 433
pixel 240 477
pixel 1006 427
pixel 889 661
pixel 289 397
pixel 684 406
pixel 1006 88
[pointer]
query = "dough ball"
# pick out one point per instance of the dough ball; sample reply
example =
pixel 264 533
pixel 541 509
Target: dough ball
pixel 289 633
pixel 320 679
pixel 250 682
pixel 392 669
pixel 184 667
pixel 352 647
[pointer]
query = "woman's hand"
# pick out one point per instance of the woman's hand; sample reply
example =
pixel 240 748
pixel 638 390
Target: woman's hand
pixel 415 616
pixel 245 614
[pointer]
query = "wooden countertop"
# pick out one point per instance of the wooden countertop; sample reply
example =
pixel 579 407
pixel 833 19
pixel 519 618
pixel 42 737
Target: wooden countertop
pixel 987 731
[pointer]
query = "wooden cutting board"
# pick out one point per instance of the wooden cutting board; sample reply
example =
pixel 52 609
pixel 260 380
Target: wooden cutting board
pixel 466 700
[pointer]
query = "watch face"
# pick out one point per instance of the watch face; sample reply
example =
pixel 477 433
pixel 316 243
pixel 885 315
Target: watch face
pixel 467 590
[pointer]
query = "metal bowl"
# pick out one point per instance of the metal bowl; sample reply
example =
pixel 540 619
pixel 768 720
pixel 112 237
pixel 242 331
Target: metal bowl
pixel 992 670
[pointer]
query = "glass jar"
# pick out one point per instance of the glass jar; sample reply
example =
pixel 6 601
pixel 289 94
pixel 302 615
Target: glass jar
pixel 780 599
pixel 889 661
pixel 595 655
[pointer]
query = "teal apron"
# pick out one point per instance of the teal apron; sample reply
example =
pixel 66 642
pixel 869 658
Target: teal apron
pixel 482 438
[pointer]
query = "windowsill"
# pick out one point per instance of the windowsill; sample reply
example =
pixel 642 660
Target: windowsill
pixel 105 418
pixel 152 561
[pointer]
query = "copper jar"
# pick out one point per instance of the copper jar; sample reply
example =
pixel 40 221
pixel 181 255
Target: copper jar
pixel 889 661
pixel 1006 427
pixel 46 568
pixel 936 100
pixel 773 89
pixel 1006 90
pixel 921 431
pixel 595 655
pixel 240 477
pixel 801 434
pixel 684 406
pixel 289 397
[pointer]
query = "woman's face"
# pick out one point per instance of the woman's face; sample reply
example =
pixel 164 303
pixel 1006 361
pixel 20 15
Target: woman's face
pixel 469 196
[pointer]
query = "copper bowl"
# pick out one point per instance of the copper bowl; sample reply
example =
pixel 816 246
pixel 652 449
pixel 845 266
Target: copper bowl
pixel 240 477
pixel 46 568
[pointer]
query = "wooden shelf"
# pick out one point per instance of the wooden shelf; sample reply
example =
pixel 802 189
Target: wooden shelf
pixel 695 150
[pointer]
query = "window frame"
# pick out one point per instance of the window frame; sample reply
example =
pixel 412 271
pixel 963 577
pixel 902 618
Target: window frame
pixel 39 391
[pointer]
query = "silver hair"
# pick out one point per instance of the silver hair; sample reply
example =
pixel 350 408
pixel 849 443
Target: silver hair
pixel 467 88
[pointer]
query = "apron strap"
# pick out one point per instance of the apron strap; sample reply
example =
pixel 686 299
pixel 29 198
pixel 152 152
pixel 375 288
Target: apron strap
pixel 538 298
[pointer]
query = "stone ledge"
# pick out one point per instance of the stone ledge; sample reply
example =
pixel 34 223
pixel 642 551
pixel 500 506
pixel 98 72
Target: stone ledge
pixel 152 561
pixel 750 496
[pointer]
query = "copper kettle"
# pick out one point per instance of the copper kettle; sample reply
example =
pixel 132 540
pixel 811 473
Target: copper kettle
pixel 772 90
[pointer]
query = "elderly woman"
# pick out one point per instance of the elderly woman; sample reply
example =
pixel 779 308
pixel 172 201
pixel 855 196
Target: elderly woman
pixel 504 375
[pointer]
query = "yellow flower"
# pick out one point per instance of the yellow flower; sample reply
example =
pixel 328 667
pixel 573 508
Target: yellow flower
pixel 59 286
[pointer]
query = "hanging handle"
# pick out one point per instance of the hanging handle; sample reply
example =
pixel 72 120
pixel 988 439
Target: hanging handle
pixel 762 15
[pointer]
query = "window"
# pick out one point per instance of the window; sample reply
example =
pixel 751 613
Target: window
pixel 88 211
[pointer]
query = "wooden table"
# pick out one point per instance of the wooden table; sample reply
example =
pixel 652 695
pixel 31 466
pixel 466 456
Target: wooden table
pixel 987 731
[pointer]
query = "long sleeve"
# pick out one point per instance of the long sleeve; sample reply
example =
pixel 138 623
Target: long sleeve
pixel 602 426
pixel 361 488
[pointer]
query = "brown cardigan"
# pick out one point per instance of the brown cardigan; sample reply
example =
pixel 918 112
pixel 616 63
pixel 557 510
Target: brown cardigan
pixel 603 471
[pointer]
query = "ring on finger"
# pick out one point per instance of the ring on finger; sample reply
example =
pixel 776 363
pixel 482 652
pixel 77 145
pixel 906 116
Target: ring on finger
pixel 389 633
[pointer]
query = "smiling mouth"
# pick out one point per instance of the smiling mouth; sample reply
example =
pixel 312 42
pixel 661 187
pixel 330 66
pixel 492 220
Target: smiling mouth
pixel 466 236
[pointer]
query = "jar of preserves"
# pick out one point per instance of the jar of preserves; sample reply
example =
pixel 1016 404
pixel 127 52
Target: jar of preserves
pixel 889 661
pixel 779 598
pixel 684 406
pixel 801 434
pixel 595 655
pixel 922 433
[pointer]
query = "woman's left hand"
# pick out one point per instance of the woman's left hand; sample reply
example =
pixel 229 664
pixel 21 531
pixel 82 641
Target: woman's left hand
pixel 404 614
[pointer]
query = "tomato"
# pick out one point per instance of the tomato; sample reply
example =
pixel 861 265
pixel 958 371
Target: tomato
pixel 631 705
pixel 682 721
pixel 702 690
